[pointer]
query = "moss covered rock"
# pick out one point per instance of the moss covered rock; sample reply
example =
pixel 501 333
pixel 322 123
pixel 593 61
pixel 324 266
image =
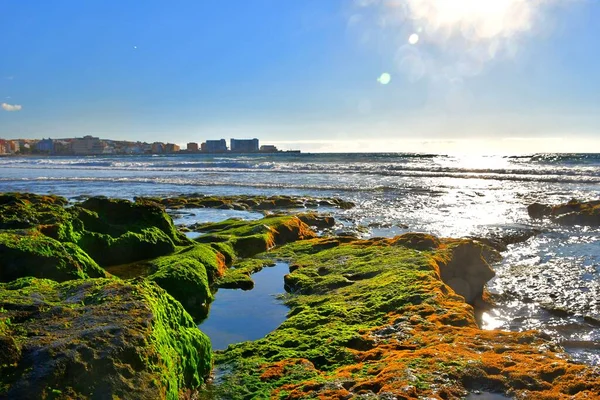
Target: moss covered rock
pixel 36 255
pixel 27 210
pixel 242 202
pixel 75 240
pixel 98 338
pixel 114 231
pixel 317 220
pixel 249 238
pixel 188 275
pixel 116 217
pixel 374 319
pixel 147 243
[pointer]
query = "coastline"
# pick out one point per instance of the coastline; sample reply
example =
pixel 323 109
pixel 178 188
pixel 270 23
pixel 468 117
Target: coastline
pixel 376 316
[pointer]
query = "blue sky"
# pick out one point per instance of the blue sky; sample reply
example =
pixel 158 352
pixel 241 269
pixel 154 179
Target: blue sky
pixel 512 75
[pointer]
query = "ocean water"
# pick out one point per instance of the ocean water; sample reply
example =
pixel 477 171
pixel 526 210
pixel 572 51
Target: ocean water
pixel 551 282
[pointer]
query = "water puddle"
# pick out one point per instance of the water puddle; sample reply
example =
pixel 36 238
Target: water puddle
pixel 191 216
pixel 193 235
pixel 237 315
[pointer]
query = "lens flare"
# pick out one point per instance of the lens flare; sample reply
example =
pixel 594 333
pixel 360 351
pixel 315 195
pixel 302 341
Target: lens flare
pixel 384 78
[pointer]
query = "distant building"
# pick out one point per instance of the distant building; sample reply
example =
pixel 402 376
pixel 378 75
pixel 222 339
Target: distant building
pixel 172 148
pixel 14 146
pixel 268 148
pixel 215 146
pixel 158 148
pixel 244 145
pixel 147 148
pixel 133 148
pixel 3 146
pixel 25 146
pixel 88 145
pixel 62 148
pixel 45 146
pixel 192 146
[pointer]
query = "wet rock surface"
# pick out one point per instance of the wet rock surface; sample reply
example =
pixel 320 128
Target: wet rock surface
pixel 249 202
pixel 574 212
pixel 97 338
pixel 509 235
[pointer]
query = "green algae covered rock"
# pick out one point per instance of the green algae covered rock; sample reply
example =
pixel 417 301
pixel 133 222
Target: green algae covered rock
pixel 341 291
pixel 189 273
pixel 116 217
pixel 374 319
pixel 39 256
pixel 97 338
pixel 243 202
pixel 128 247
pixel 248 238
pixel 40 236
pixel 114 231
pixel 26 210
pixel 187 276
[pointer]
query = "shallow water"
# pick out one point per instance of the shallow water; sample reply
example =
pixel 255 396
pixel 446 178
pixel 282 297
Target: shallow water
pixel 236 315
pixel 449 196
pixel 191 216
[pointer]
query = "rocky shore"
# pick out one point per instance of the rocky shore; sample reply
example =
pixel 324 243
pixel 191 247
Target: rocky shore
pixel 100 299
pixel 574 212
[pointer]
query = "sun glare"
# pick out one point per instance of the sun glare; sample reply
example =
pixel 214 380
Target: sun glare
pixel 474 18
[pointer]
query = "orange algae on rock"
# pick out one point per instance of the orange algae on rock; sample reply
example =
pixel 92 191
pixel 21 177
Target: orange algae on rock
pixel 249 238
pixel 279 369
pixel 380 318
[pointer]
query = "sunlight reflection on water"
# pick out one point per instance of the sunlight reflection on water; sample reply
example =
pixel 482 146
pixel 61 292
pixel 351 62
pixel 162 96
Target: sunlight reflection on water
pixel 551 282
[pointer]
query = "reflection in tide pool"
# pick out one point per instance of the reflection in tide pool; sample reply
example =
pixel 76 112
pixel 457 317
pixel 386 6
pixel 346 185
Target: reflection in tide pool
pixel 201 215
pixel 193 235
pixel 237 315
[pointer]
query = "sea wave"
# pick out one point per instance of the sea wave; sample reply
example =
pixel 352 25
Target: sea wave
pixel 580 175
pixel 232 178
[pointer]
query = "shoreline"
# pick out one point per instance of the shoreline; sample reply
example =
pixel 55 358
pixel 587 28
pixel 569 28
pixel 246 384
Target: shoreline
pixel 410 304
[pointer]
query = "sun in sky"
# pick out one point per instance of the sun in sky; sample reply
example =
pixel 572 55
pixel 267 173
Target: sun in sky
pixel 474 19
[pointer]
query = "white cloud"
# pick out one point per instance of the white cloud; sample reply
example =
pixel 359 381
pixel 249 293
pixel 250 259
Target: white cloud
pixel 11 107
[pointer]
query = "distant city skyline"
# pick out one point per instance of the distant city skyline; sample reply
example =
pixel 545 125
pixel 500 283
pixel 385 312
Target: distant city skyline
pixel 90 145
pixel 500 76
